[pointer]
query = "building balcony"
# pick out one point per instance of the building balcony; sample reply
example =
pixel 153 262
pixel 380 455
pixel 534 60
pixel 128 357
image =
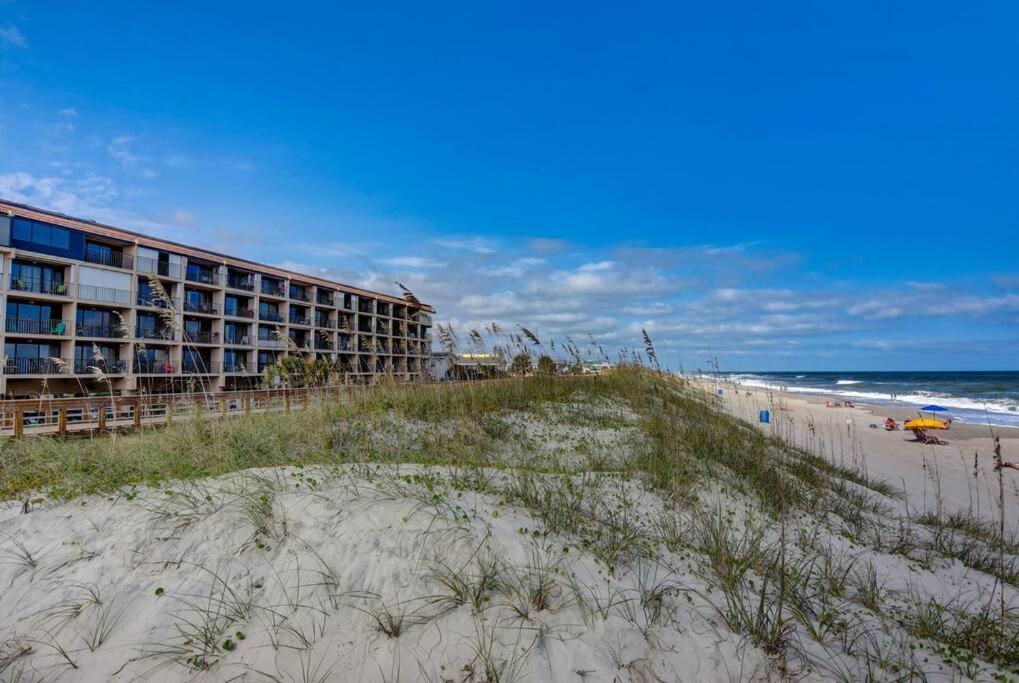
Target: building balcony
pixel 202 277
pixel 300 320
pixel 100 331
pixel 37 327
pixel 107 367
pixel 270 317
pixel 237 339
pixel 155 334
pixel 204 307
pixel 157 267
pixel 321 345
pixel 325 323
pixel 35 366
pixel 267 343
pixel 242 282
pixel 105 257
pixel 273 289
pixel 202 337
pixel 155 367
pixel 236 368
pixel 39 285
pixel 200 366
pixel 152 301
pixel 107 295
pixel 324 300
pixel 298 295
pixel 240 313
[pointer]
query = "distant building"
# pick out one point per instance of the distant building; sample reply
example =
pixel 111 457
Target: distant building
pixel 78 295
pixel 444 366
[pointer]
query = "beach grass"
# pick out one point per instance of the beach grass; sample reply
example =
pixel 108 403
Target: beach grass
pixel 801 557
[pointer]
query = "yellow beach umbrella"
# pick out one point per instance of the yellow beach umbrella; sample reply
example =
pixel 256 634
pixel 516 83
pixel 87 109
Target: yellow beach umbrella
pixel 924 423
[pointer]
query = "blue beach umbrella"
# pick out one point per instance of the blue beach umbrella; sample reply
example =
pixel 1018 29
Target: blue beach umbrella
pixel 934 409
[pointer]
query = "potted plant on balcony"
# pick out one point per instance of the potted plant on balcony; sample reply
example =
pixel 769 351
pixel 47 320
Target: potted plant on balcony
pixel 61 288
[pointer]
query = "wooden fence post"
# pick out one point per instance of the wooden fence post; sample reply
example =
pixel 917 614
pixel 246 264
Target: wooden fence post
pixel 137 413
pixel 102 419
pixel 62 421
pixel 19 422
pixel 247 405
pixel 169 411
pixel 286 401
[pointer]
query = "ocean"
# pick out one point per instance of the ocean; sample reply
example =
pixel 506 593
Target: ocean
pixel 975 397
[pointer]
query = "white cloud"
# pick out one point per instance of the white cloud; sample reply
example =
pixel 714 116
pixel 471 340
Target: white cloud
pixel 68 113
pixel 515 268
pixel 182 217
pixel 545 245
pixel 412 262
pixel 10 35
pixel 479 245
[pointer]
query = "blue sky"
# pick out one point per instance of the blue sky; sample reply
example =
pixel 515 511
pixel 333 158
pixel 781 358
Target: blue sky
pixel 784 185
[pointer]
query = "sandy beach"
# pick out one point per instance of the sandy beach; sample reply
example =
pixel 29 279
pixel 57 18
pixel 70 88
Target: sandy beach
pixel 958 477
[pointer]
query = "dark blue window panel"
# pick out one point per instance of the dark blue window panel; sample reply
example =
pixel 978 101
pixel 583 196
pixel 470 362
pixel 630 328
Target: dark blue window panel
pixel 45 238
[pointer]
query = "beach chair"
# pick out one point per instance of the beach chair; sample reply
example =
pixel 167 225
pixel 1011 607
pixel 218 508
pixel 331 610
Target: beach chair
pixel 891 425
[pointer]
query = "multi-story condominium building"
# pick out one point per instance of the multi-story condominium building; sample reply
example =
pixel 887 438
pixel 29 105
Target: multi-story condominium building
pixel 80 295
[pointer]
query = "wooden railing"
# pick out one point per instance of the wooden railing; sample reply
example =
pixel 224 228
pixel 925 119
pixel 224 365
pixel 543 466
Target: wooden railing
pixel 60 416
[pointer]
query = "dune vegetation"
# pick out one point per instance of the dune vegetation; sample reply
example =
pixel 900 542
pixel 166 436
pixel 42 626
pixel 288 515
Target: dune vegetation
pixel 610 527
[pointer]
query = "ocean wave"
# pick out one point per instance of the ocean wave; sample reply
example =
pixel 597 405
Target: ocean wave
pixel 848 381
pixel 917 397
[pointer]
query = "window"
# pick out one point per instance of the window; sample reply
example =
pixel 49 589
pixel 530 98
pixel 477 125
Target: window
pixel 42 234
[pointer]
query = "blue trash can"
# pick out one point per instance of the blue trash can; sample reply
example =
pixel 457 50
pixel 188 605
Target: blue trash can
pixel 719 392
pixel 765 417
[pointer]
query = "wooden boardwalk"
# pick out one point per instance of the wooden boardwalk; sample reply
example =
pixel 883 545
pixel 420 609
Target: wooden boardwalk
pixel 62 416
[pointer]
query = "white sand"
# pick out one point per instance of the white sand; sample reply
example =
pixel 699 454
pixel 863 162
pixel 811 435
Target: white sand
pixel 304 570
pixel 959 477
pixel 351 546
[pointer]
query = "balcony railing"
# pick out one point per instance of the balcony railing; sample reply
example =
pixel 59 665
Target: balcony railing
pixel 100 331
pixel 84 366
pixel 157 333
pixel 271 317
pixel 200 307
pixel 235 367
pixel 325 322
pixel 323 345
pixel 298 295
pixel 300 320
pixel 344 345
pixel 365 307
pixel 144 366
pixel 35 366
pixel 273 289
pixel 245 282
pixel 104 294
pixel 202 337
pixel 38 285
pixel 104 257
pixel 205 277
pixel 324 299
pixel 270 343
pixel 200 366
pixel 152 301
pixel 157 267
pixel 237 339
pixel 37 326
